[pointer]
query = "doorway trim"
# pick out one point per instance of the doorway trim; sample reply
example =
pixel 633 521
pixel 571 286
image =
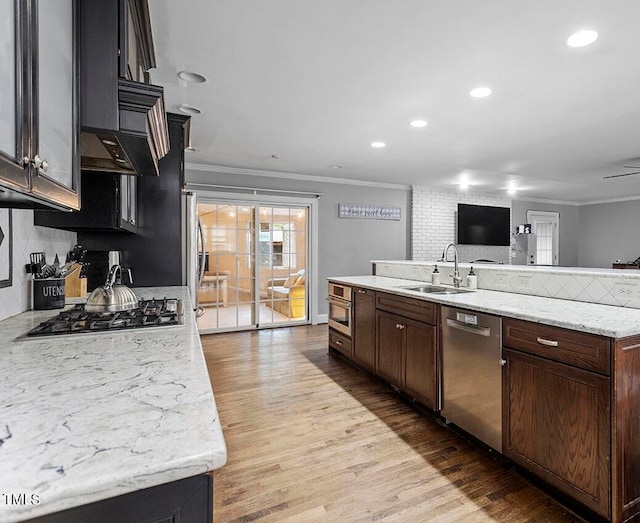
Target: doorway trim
pixel 553 217
pixel 311 201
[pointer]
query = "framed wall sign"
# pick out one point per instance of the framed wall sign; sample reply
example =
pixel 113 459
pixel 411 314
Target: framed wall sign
pixel 372 212
pixel 6 248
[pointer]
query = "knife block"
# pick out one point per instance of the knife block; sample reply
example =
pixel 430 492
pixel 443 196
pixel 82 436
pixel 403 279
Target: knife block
pixel 75 287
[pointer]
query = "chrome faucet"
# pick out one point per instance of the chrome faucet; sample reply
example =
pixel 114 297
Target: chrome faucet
pixel 456 274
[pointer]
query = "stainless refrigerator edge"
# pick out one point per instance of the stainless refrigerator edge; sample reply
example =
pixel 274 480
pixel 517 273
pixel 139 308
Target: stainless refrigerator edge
pixel 194 248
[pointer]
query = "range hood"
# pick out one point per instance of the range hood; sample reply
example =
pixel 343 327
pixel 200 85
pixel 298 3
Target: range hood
pixel 123 120
pixel 139 139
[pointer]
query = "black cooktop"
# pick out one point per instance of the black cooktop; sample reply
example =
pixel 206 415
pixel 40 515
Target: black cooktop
pixel 149 313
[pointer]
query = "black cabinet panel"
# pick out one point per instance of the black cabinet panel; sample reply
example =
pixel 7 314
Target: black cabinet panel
pixel 186 501
pixel 102 207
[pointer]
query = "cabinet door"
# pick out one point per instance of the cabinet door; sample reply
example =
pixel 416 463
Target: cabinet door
pixel 420 362
pixel 556 424
pixel 14 101
pixel 54 146
pixel 389 350
pixel 364 328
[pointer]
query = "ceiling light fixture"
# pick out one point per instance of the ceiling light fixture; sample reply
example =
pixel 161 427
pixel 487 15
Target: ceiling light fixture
pixel 378 145
pixel 189 109
pixel 511 190
pixel 480 92
pixel 335 166
pixel 275 156
pixel 191 77
pixel 464 185
pixel 582 38
pixel 418 123
pixel 190 149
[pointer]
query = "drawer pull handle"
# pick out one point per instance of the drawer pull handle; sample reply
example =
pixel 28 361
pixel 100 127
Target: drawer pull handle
pixel 362 291
pixel 548 343
pixel 339 343
pixel 399 326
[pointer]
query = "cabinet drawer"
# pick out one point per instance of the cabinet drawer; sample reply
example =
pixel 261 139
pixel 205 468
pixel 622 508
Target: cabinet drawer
pixel 580 349
pixel 418 310
pixel 340 342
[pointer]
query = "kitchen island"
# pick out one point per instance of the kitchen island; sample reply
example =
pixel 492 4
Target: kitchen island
pixel 89 417
pixel 567 406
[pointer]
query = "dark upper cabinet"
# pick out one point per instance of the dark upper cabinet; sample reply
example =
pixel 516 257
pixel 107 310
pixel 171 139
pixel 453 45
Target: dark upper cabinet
pixel 39 104
pixel 109 203
pixel 124 125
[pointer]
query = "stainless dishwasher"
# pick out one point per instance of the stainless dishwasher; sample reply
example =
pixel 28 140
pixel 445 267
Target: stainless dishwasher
pixel 472 373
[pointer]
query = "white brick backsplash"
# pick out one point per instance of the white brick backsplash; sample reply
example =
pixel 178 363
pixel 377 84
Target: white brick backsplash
pixel 28 238
pixel 433 225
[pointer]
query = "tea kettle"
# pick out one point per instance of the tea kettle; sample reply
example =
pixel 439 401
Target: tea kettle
pixel 112 297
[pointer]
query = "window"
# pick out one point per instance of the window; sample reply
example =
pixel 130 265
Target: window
pixel 277 246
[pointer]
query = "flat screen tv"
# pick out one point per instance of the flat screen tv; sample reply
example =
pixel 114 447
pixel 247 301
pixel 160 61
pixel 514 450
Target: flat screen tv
pixel 483 225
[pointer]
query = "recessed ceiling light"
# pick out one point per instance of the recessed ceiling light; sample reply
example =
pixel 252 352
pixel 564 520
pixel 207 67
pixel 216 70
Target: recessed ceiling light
pixel 189 109
pixel 418 123
pixel 378 145
pixel 190 149
pixel 335 166
pixel 480 92
pixel 511 190
pixel 582 38
pixel 191 77
pixel 464 185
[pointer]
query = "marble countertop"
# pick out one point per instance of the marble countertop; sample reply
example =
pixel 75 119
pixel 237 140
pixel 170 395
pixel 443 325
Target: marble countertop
pixel 615 322
pixel 87 417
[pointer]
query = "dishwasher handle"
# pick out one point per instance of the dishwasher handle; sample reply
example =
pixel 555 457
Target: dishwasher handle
pixel 473 329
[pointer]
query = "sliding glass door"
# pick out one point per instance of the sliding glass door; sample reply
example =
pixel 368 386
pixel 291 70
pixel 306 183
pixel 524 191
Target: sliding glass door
pixel 255 266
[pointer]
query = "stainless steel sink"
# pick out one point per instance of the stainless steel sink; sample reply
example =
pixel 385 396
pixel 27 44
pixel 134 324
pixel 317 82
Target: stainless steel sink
pixel 437 289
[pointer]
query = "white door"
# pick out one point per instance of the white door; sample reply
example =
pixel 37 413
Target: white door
pixel 545 225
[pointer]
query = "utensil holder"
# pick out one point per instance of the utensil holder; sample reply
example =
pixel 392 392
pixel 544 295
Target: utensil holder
pixel 48 293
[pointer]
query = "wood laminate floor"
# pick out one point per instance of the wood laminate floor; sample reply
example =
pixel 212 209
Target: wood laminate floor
pixel 312 439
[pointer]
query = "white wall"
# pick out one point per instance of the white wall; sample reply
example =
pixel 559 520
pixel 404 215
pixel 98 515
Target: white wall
pixel 609 231
pixel 434 225
pixel 28 238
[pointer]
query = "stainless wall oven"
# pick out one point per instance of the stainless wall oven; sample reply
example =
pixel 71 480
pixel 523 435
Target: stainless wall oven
pixel 340 308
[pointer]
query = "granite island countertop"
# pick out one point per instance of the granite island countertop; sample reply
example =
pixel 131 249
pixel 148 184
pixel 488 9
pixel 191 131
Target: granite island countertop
pixel 606 320
pixel 87 417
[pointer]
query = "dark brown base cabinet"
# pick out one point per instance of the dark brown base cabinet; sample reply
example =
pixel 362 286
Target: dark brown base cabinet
pixel 364 327
pixel 406 356
pixel 571 414
pixel 407 346
pixel 187 500
pixel 399 347
pixel 557 426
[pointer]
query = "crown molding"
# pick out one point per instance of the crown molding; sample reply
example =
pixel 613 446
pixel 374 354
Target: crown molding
pixel 612 200
pixel 552 202
pixel 238 171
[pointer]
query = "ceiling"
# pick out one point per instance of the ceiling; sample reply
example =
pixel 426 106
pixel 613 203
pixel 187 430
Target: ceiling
pixel 314 83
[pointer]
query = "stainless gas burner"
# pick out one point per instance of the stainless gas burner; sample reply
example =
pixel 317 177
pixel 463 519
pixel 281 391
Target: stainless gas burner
pixel 149 313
